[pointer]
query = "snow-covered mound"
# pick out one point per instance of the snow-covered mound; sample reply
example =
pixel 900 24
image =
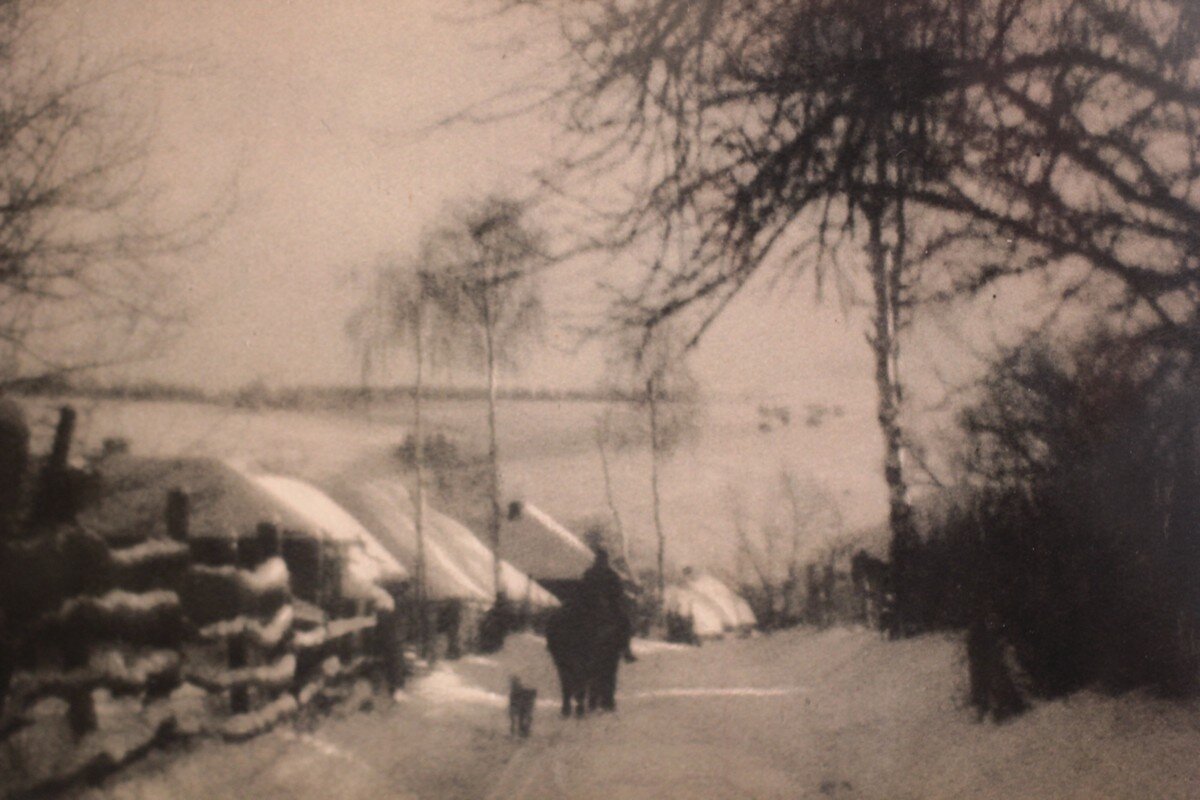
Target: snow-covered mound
pixel 735 611
pixel 390 520
pixel 707 619
pixel 712 606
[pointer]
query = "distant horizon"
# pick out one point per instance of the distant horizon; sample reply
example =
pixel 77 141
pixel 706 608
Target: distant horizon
pixel 149 389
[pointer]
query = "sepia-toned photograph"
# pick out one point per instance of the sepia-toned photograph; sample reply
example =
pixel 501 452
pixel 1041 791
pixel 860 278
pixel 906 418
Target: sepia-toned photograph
pixel 599 399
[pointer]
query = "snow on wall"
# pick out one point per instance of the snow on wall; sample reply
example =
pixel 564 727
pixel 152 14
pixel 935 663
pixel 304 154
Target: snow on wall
pixel 147 551
pixel 112 665
pixel 335 629
pixel 264 635
pixel 246 725
pixel 277 674
pixel 119 600
pixel 269 576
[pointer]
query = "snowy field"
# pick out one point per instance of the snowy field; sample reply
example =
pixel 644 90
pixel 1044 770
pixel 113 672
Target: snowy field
pixel 798 715
pixel 549 458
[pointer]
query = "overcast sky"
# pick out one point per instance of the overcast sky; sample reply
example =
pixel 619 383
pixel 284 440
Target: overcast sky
pixel 318 111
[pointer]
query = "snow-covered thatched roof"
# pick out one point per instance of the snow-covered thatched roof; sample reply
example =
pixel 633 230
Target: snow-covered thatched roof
pixel 706 616
pixel 387 514
pixel 369 564
pixel 458 564
pixel 223 502
pixel 735 611
pixel 713 606
pixel 227 502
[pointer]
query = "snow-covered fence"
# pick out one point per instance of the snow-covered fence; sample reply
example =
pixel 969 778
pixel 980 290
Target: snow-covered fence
pixel 336 640
pixel 129 638
pixel 98 656
pixel 238 600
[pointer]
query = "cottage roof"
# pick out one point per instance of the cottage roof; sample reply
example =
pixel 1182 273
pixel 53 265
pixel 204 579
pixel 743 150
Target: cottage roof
pixel 369 560
pixel 458 564
pixel 535 542
pixel 735 611
pixel 227 502
pixel 223 502
pixel 706 616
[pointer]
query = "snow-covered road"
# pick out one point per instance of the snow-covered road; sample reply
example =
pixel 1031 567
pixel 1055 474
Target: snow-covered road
pixel 836 714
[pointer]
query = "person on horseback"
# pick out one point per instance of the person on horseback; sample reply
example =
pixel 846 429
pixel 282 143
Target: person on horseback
pixel 602 586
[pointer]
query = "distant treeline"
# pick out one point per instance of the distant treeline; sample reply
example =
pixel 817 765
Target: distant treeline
pixel 57 385
pixel 259 395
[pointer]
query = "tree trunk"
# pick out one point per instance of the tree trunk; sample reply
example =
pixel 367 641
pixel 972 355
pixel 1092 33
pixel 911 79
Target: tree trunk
pixel 493 450
pixel 612 505
pixel 656 497
pixel 364 375
pixel 884 345
pixel 422 628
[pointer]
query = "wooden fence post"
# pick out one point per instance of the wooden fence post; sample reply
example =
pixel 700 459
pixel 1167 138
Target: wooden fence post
pixel 269 540
pixel 62 439
pixel 14 460
pixel 239 695
pixel 53 500
pixel 81 710
pixel 178 509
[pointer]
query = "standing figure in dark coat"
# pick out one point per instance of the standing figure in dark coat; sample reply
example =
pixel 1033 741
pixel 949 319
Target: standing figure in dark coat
pixel 586 638
pixel 603 589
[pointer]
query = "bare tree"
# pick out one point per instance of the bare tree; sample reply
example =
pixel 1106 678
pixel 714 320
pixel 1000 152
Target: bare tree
pixel 1082 126
pixel 776 546
pixel 482 266
pixel 82 277
pixel 369 329
pixel 666 404
pixel 607 437
pixel 404 306
pixel 767 135
pixel 985 137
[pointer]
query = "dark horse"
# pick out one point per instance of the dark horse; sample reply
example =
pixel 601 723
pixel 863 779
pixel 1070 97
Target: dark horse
pixel 585 644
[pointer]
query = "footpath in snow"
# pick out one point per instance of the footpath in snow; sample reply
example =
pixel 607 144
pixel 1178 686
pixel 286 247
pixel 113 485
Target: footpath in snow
pixel 795 715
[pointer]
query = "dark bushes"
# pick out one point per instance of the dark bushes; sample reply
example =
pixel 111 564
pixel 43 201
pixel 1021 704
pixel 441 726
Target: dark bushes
pixel 1072 554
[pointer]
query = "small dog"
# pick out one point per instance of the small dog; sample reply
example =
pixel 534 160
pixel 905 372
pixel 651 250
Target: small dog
pixel 521 700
